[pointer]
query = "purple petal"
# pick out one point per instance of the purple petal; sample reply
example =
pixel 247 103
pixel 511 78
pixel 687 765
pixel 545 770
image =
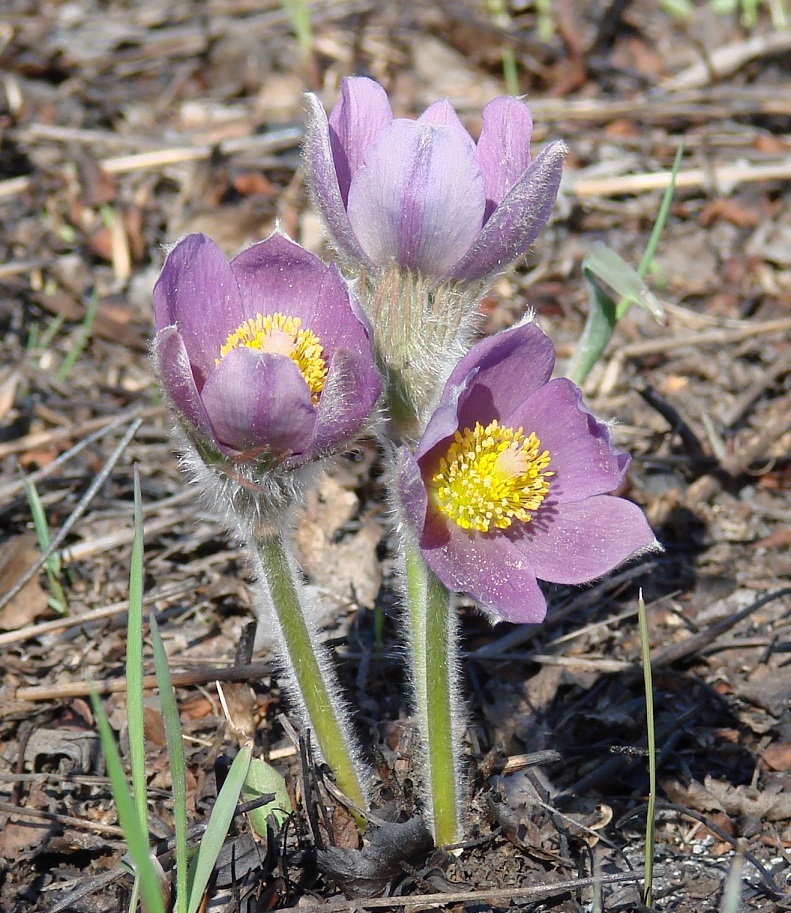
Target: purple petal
pixel 418 199
pixel 347 401
pixel 442 113
pixel 500 373
pixel 335 317
pixel 516 222
pixel 260 403
pixel 175 375
pixel 362 113
pixel 441 427
pixel 411 490
pixel 278 275
pixel 323 180
pixel 490 569
pixel 197 292
pixel 583 540
pixel 581 454
pixel 503 147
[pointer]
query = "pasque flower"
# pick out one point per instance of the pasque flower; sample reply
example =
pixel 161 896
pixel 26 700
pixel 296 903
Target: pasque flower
pixel 266 358
pixel 510 481
pixel 421 194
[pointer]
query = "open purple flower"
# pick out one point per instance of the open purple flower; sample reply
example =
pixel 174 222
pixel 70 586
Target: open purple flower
pixel 421 193
pixel 266 358
pixel 509 481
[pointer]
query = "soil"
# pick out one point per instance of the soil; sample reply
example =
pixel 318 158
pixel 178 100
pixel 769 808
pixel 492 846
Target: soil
pixel 124 125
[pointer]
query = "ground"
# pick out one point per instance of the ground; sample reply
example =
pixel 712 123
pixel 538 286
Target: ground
pixel 124 125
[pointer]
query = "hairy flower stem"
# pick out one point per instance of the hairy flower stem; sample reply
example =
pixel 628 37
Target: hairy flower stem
pixel 433 656
pixel 313 680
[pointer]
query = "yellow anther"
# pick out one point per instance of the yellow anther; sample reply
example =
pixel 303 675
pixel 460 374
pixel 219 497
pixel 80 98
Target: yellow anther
pixel 490 477
pixel 282 335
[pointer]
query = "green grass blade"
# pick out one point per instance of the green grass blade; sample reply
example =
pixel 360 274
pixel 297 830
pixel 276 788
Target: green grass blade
pixel 136 836
pixel 170 717
pixel 661 216
pixel 81 340
pixel 217 831
pixel 731 894
pixel 604 310
pixel 57 600
pixel 134 666
pixel 298 12
pixel 649 716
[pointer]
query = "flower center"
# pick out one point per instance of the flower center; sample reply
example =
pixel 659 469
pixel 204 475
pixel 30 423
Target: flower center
pixel 282 335
pixel 490 477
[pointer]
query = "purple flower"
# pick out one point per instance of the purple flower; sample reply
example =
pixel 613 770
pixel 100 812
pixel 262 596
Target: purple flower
pixel 267 357
pixel 509 481
pixel 422 194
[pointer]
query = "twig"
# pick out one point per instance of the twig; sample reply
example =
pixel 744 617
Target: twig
pixel 717 175
pixel 769 883
pixel 495 896
pixel 75 515
pixel 44 438
pixel 726 60
pixel 276 141
pixel 202 676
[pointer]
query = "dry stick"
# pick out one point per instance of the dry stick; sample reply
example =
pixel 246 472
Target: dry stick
pixel 202 676
pixel 728 59
pixel 764 874
pixel 694 177
pixel 493 896
pixel 178 155
pixel 75 515
pixel 45 438
pixel 22 811
pixel 165 594
pixel 12 489
pixel 664 345
pixel 734 464
pixel 754 392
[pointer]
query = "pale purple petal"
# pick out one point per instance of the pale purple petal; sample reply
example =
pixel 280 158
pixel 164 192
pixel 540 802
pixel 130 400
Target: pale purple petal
pixel 583 540
pixel 503 371
pixel 440 430
pixel 442 113
pixel 517 221
pixel 334 315
pixel 277 275
pixel 488 568
pixel 175 375
pixel 356 121
pixel 419 198
pixel 323 180
pixel 197 292
pixel 580 450
pixel 493 571
pixel 260 403
pixel 349 396
pixel 503 147
pixel 411 489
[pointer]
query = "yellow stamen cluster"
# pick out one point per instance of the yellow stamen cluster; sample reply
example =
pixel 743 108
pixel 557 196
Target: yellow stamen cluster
pixel 282 335
pixel 490 477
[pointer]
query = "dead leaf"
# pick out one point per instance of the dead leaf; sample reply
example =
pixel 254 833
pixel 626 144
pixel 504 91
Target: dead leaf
pixel 16 556
pixel 778 756
pixel 362 873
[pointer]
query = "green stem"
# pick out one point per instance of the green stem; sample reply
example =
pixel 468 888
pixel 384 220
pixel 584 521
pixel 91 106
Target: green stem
pixel 433 630
pixel 313 677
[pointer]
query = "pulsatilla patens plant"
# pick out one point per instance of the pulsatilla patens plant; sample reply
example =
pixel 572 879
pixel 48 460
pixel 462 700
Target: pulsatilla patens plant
pixel 510 481
pixel 426 217
pixel 267 363
pixel 266 359
pixel 499 476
